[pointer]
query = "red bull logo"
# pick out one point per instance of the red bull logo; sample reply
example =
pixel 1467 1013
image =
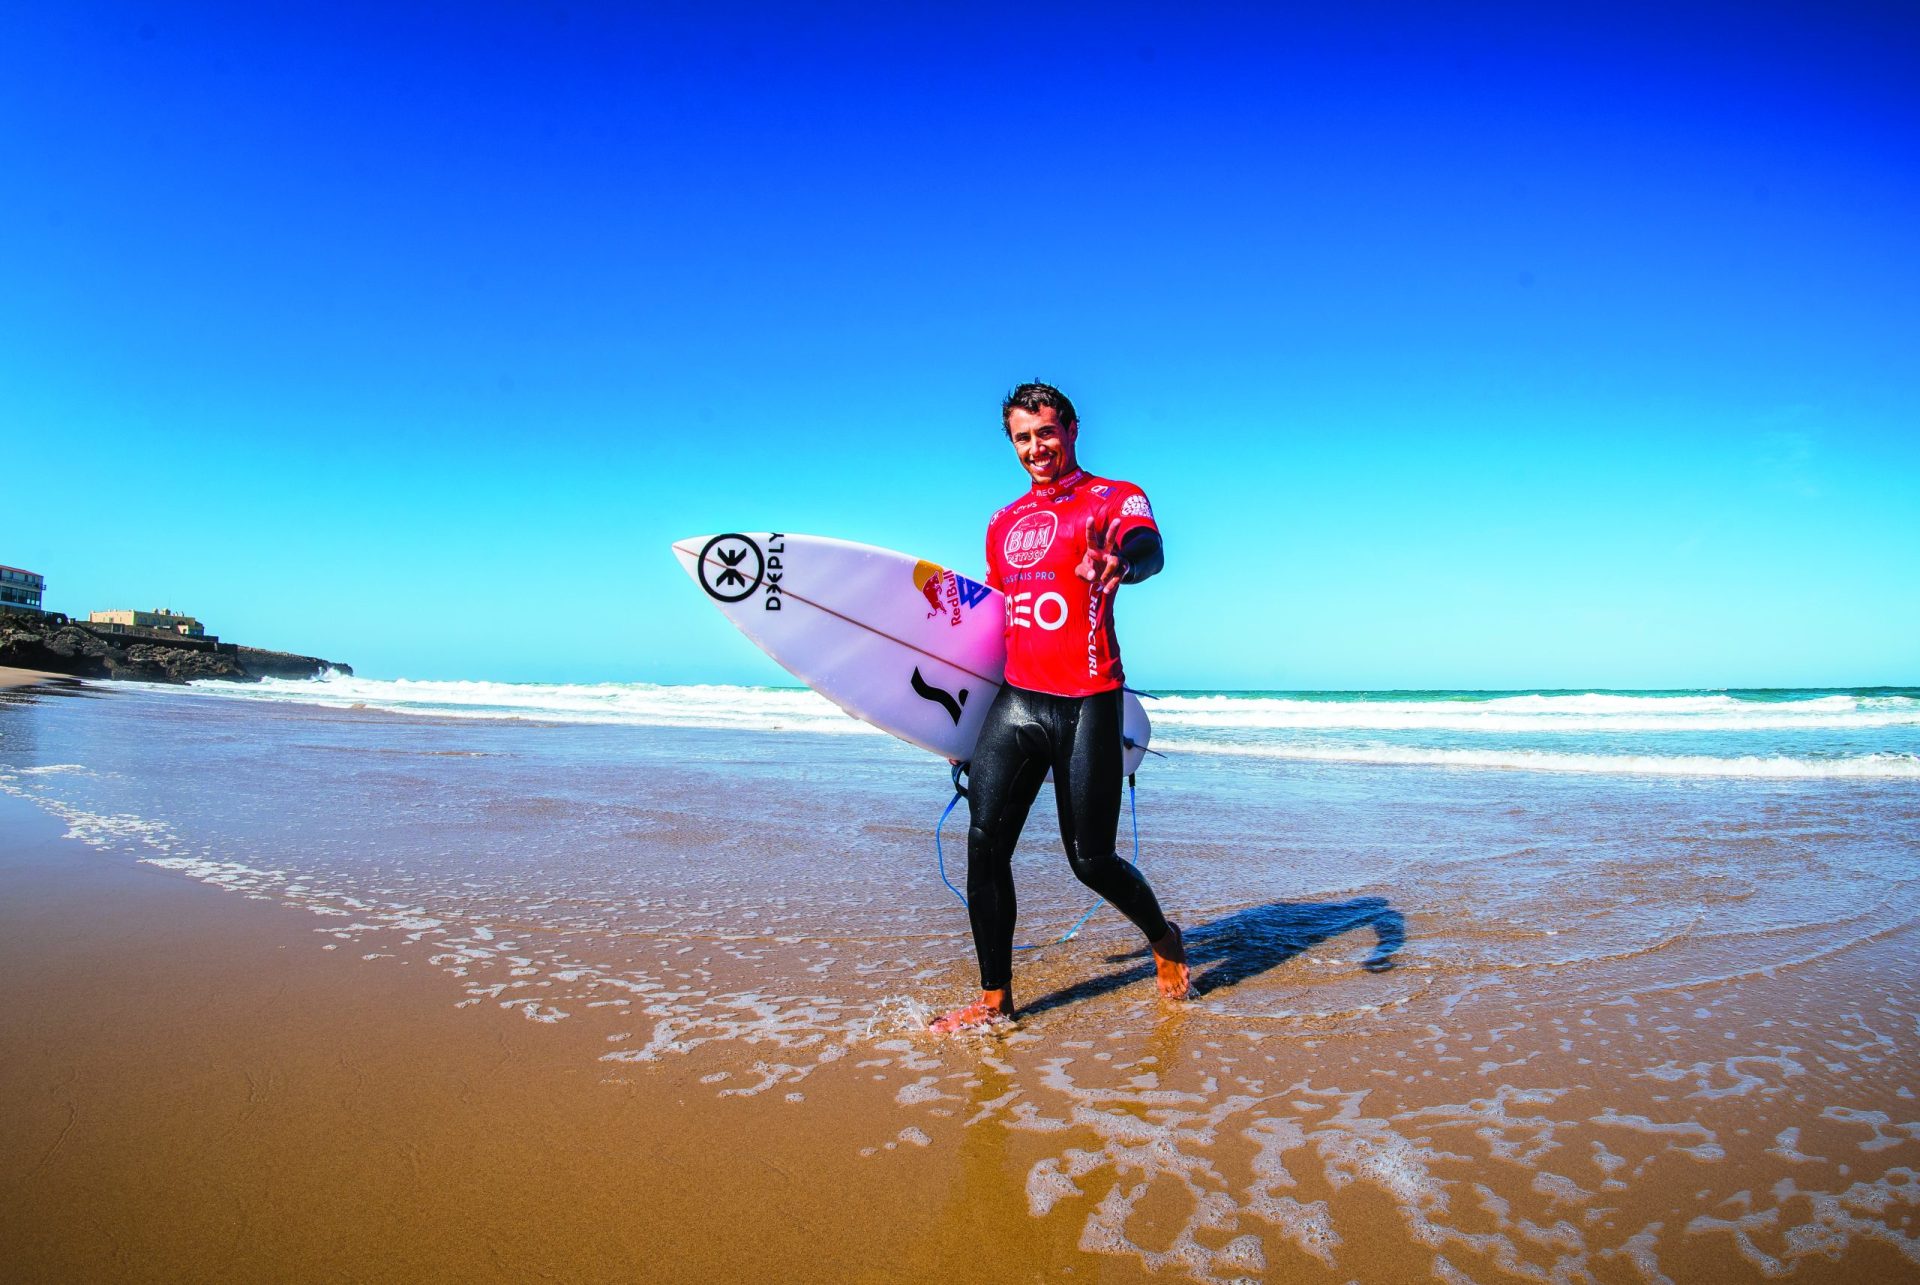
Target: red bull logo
pixel 947 594
pixel 926 578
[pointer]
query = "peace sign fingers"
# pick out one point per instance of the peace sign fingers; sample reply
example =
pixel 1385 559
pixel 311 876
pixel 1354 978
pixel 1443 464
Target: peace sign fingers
pixel 1102 564
pixel 1099 541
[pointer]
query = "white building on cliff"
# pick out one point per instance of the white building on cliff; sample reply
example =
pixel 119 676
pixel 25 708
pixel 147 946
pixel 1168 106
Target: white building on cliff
pixel 21 590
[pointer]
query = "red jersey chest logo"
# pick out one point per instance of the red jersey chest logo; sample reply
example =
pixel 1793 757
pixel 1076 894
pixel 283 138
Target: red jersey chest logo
pixel 1029 539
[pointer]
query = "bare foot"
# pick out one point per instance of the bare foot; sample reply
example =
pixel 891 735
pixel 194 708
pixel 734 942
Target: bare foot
pixel 1170 970
pixel 992 1008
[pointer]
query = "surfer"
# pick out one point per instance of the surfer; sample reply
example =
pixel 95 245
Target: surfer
pixel 1058 555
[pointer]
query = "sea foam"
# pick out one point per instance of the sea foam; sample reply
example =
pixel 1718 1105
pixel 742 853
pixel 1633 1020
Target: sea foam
pixel 1780 767
pixel 1871 734
pixel 636 704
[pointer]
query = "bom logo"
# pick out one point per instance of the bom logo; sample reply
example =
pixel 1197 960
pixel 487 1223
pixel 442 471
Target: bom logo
pixel 1030 539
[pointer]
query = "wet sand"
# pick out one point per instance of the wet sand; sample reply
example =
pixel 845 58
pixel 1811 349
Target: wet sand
pixel 12 679
pixel 298 993
pixel 195 1087
pixel 193 1090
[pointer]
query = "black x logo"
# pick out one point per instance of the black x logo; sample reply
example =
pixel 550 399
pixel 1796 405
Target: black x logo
pixel 732 573
pixel 731 567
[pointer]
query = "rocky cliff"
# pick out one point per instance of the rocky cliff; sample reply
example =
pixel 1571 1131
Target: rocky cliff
pixel 59 646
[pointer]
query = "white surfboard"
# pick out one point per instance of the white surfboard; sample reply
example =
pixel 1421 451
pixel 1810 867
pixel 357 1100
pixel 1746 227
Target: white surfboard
pixel 905 644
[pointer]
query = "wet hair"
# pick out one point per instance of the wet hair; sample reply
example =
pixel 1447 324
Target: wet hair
pixel 1032 398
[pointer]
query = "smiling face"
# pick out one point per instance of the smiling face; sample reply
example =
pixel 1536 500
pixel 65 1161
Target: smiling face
pixel 1043 443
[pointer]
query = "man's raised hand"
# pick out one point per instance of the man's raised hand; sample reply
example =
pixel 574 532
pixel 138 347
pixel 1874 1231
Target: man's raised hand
pixel 1102 563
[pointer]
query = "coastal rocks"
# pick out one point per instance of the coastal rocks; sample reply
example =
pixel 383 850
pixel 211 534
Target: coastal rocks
pixel 56 645
pixel 28 643
pixel 258 663
pixel 159 663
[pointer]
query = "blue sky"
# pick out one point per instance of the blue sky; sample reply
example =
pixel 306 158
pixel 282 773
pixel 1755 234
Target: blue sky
pixel 1486 349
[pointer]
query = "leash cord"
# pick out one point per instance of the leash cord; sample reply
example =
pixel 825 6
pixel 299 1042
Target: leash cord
pixel 940 855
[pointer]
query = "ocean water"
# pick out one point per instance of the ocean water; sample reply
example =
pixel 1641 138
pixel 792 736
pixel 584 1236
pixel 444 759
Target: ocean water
pixel 1582 844
pixel 1563 956
pixel 1788 733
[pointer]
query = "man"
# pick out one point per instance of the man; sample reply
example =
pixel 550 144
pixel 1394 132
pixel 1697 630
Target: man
pixel 1059 554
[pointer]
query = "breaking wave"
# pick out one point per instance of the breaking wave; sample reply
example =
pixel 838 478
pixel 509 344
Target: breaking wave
pixel 1542 712
pixel 638 704
pixel 1868 733
pixel 1885 766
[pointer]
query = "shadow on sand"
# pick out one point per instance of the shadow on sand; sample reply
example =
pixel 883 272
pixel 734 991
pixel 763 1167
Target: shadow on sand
pixel 1249 942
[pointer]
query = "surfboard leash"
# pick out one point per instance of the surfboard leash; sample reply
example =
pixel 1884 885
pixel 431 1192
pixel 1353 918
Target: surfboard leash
pixel 959 793
pixel 939 852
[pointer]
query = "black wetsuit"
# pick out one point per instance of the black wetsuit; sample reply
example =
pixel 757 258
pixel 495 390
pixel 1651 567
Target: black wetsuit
pixel 1079 739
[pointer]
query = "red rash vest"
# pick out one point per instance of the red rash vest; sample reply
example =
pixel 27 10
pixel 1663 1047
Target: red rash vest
pixel 1060 637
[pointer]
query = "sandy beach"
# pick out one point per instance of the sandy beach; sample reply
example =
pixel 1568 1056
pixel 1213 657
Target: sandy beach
pixel 195 1090
pixel 237 1051
pixel 11 678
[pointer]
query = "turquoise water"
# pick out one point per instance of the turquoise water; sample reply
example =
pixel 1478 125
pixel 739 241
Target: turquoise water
pixel 1866 733
pixel 1769 694
pixel 1841 732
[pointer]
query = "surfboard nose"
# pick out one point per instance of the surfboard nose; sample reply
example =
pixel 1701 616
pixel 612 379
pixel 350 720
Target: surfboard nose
pixel 687 553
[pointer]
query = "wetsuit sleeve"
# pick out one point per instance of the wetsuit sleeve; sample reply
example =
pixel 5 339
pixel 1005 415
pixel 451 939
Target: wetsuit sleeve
pixel 1145 554
pixel 1129 504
